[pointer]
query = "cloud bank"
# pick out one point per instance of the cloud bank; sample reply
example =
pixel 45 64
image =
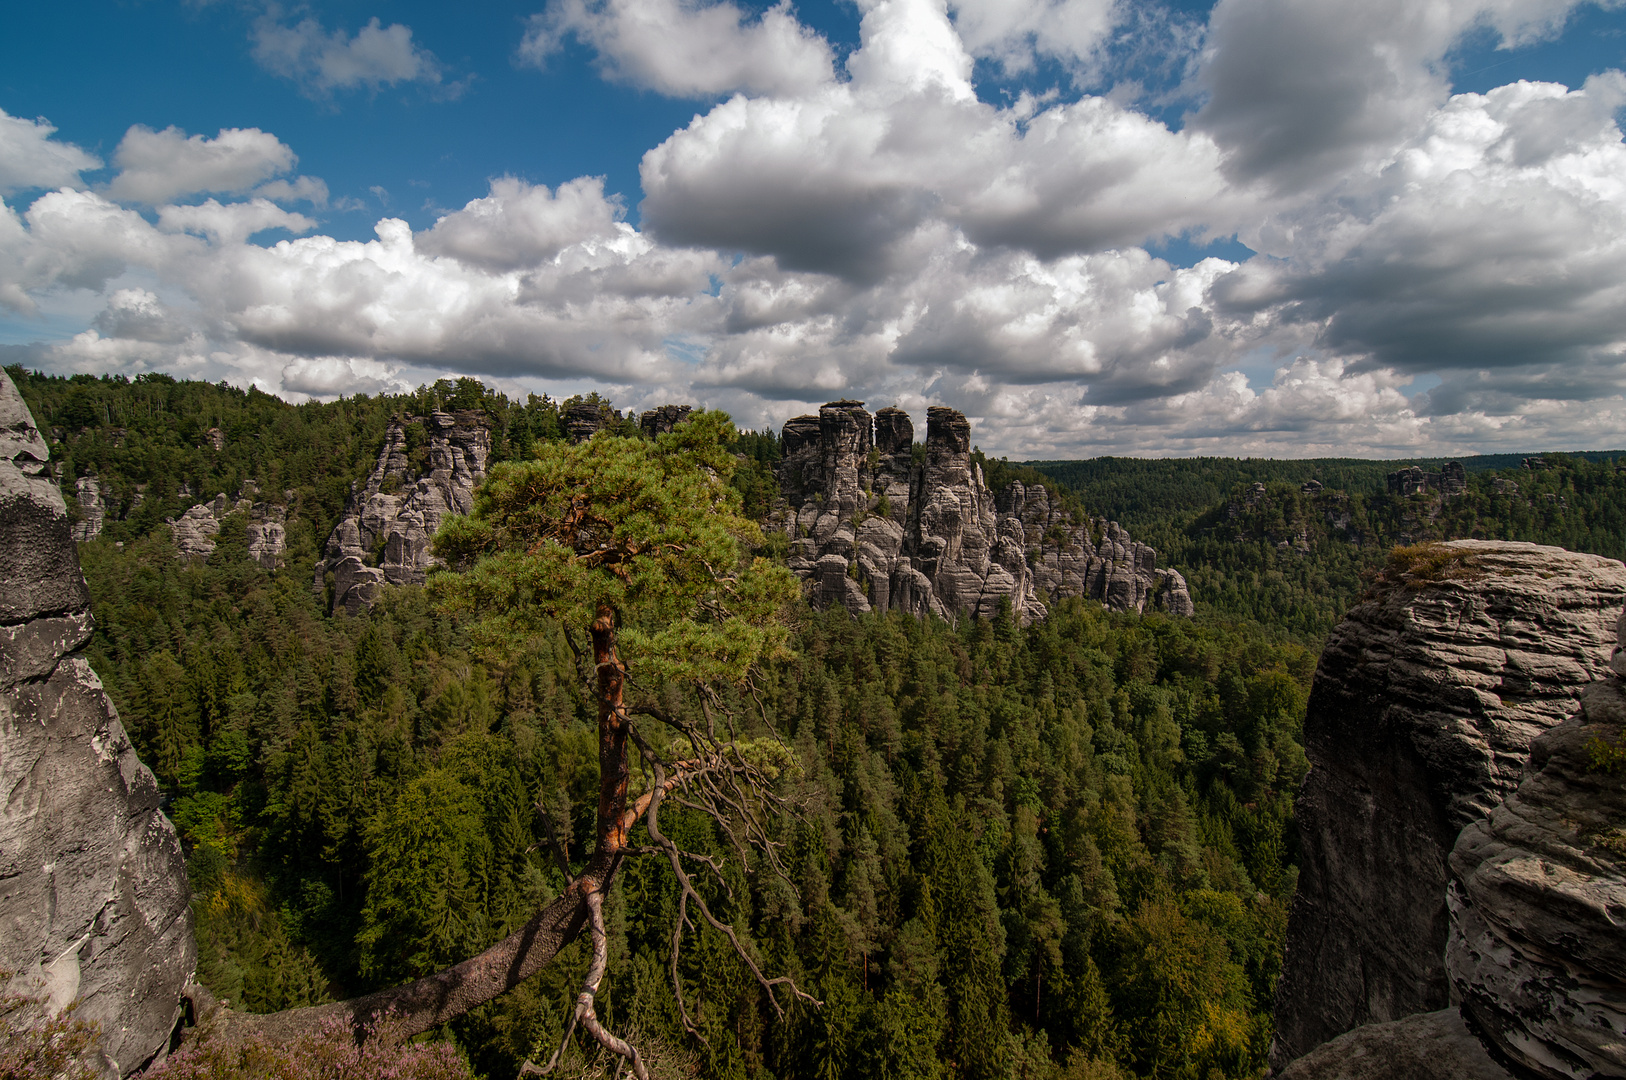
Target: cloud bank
pixel 877 227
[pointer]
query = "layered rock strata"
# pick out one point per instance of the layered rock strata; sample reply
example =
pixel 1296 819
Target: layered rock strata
pixel 877 523
pixel 94 899
pixel 391 517
pixel 1537 946
pixel 1421 715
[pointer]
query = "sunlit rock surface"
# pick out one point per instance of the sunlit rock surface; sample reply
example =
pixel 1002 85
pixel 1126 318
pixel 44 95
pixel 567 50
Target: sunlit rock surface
pixel 1537 948
pixel 391 517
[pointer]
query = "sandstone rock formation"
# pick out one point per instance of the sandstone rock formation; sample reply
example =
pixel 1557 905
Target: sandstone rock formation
pixel 1424 705
pixel 93 890
pixel 1451 480
pixel 91 494
pixel 390 519
pixel 872 526
pixel 194 532
pixel 1426 1046
pixel 267 534
pixel 1537 948
pixel 662 418
pixel 584 419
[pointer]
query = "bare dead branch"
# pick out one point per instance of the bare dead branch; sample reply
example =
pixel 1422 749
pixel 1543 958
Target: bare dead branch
pixel 595 975
pixel 686 886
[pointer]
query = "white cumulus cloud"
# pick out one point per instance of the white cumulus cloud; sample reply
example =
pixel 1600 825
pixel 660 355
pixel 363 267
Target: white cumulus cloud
pixel 30 158
pixel 159 166
pixel 682 48
pixel 839 178
pixel 321 62
pixel 1300 91
pixel 520 225
pixel 1436 273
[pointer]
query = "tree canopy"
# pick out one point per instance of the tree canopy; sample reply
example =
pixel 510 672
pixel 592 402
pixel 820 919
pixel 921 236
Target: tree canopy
pixel 649 529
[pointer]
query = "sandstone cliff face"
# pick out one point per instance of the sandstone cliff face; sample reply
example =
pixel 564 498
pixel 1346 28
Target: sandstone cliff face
pixel 93 890
pixel 1420 718
pixel 387 526
pixel 1537 948
pixel 872 527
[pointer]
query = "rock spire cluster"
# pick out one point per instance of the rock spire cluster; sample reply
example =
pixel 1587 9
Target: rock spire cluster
pixel 428 468
pixel 878 523
pixel 94 898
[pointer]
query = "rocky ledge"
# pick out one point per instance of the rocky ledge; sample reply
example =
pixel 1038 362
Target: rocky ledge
pixel 877 523
pixel 1427 1046
pixel 1424 706
pixel 1537 948
pixel 94 900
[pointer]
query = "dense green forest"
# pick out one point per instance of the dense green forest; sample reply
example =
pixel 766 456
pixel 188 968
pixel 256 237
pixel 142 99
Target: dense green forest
pixel 1296 559
pixel 1057 851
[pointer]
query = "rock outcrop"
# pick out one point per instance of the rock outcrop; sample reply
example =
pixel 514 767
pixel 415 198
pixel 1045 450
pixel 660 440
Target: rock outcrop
pixel 194 532
pixel 1426 1046
pixel 267 535
pixel 390 519
pixel 662 419
pixel 91 495
pixel 1451 480
pixel 94 899
pixel 1537 947
pixel 585 419
pixel 1423 709
pixel 874 526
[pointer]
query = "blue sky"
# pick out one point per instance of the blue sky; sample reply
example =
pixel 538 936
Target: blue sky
pixel 1269 226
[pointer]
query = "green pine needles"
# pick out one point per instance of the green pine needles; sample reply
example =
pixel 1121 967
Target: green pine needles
pixel 649 529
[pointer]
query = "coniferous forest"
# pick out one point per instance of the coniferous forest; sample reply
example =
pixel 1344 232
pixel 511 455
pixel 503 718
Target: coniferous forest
pixel 1065 850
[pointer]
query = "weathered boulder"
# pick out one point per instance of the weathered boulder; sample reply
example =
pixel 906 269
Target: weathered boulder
pixel 391 518
pixel 1537 947
pixel 930 536
pixel 94 899
pixel 1421 715
pixel 1425 1046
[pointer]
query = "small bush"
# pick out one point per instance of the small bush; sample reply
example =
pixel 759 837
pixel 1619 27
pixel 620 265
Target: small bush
pixel 333 1053
pixel 1425 564
pixel 34 1045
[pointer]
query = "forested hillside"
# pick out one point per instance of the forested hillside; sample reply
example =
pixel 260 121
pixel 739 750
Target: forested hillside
pixel 1059 851
pixel 1296 559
